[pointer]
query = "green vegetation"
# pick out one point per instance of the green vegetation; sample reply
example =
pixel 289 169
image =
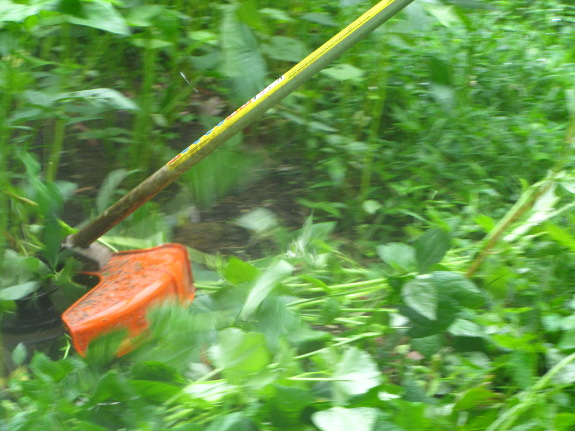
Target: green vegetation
pixel 430 288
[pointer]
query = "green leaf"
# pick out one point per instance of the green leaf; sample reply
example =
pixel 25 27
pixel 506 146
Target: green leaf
pixel 459 288
pixel 105 96
pixel 287 405
pixel 428 346
pixel 421 295
pixel 71 7
pixel 156 391
pixel 240 355
pixel 155 371
pixel 477 397
pixel 343 419
pixel 56 371
pixel 285 49
pixel 399 256
pixel 344 72
pixel 320 18
pixel 14 12
pixel 242 62
pixel 466 328
pixel 103 16
pixel 18 291
pixel 237 271
pixel 19 354
pixel 430 248
pixel 264 285
pixel 144 15
pixel 109 188
pixel 356 373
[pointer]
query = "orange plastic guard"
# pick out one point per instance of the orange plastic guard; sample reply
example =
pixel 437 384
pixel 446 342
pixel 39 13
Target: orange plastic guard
pixel 129 283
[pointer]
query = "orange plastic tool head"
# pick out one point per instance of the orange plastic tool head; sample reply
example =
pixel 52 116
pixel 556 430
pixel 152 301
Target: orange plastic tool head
pixel 129 284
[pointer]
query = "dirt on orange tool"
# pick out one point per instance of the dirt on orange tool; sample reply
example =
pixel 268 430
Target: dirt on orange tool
pixel 129 284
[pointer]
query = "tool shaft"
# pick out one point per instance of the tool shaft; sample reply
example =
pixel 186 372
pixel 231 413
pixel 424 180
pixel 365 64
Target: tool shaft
pixel 238 120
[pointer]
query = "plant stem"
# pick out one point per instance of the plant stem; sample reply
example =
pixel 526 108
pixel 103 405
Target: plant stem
pixel 529 397
pixel 56 150
pixel 524 204
pixel 341 343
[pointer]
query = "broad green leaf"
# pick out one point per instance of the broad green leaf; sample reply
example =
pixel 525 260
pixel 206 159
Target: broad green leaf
pixel 344 72
pixel 459 288
pixel 156 391
pixel 430 248
pixel 18 291
pixel 43 367
pixel 422 327
pixel 71 7
pixel 477 397
pixel 287 405
pixel 445 14
pixel 242 62
pixel 428 346
pixel 15 12
pixel 343 419
pixel 109 188
pixel 421 295
pixel 264 286
pixel 240 355
pixel 320 18
pixel 561 235
pixel 106 96
pixel 285 49
pixel 275 319
pixel 237 271
pixel 356 373
pixel 487 223
pixel 155 371
pixel 112 386
pixel 466 328
pixel 19 354
pixel 277 14
pixel 398 256
pixel 103 16
pixel 522 366
pixel 144 15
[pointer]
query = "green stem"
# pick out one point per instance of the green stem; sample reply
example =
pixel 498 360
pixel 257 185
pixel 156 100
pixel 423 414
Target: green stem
pixel 529 397
pixel 525 202
pixel 341 343
pixel 56 150
pixel 375 124
pixel 143 125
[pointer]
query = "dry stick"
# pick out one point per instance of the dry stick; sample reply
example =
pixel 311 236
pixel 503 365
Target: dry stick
pixel 521 207
pixel 248 113
pixel 525 203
